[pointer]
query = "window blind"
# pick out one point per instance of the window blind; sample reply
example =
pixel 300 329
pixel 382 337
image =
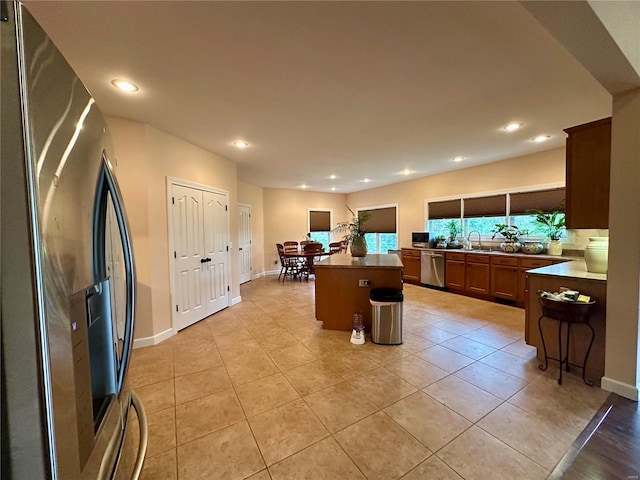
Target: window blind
pixel 544 200
pixel 383 220
pixel 319 221
pixel 492 206
pixel 446 209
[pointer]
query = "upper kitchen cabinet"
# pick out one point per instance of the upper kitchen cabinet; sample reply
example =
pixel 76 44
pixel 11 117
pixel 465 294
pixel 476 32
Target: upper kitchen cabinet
pixel 588 159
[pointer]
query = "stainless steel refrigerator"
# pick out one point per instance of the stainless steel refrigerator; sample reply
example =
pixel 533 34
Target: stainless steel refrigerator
pixel 68 276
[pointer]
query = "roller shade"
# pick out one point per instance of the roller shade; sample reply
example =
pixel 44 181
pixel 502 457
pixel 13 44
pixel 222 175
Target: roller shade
pixel 383 220
pixel 446 209
pixel 493 206
pixel 319 221
pixel 545 200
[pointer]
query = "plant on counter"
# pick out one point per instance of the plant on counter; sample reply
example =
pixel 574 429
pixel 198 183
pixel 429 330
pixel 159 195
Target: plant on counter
pixel 551 223
pixel 354 231
pixel 440 241
pixel 454 228
pixel 511 235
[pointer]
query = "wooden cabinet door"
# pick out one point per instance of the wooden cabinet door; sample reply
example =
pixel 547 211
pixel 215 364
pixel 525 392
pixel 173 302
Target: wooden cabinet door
pixel 454 274
pixel 477 278
pixel 504 282
pixel 587 177
pixel 411 269
pixel 504 277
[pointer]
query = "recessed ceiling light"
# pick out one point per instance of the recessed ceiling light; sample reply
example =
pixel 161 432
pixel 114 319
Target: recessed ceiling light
pixel 240 144
pixel 407 171
pixel 459 159
pixel 303 186
pixel 125 85
pixel 365 180
pixel 333 189
pixel 541 138
pixel 332 177
pixel 512 127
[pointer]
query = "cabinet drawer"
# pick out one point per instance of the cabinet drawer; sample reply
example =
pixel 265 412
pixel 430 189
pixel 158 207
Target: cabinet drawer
pixel 406 252
pixel 477 258
pixel 510 261
pixel 455 256
pixel 534 263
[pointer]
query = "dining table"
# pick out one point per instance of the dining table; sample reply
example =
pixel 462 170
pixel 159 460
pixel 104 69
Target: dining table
pixel 307 259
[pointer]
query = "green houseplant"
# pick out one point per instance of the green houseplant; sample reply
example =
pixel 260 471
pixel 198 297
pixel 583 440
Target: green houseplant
pixel 511 235
pixel 454 229
pixel 354 232
pixel 553 226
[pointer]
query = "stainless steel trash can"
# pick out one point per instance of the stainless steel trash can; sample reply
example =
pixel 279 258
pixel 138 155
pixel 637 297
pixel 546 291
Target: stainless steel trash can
pixel 386 316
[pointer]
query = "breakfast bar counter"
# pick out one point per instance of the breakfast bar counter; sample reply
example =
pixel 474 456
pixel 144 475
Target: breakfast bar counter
pixel 572 275
pixel 343 285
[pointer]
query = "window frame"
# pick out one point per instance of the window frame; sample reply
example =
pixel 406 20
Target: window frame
pixel 567 239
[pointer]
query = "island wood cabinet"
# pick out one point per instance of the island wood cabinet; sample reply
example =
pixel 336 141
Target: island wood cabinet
pixel 411 262
pixel 454 270
pixel 477 274
pixel 588 159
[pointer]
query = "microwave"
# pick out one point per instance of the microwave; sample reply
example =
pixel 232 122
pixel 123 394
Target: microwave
pixel 421 238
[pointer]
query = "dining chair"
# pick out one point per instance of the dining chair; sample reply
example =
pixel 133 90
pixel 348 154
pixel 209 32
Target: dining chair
pixel 288 265
pixel 307 268
pixel 335 247
pixel 290 246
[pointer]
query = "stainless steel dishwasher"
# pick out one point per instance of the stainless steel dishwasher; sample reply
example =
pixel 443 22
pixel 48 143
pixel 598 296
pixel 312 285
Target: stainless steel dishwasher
pixel 432 268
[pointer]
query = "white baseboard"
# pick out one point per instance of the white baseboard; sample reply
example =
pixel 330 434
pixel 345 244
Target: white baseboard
pixel 623 389
pixel 258 275
pixel 236 300
pixel 156 339
pixel 272 272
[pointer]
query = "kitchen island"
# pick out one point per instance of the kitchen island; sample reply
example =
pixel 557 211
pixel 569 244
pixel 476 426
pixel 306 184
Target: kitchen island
pixel 343 284
pixel 573 275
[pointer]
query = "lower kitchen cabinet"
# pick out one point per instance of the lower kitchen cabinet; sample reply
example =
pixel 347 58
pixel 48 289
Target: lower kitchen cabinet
pixel 524 265
pixel 492 276
pixel 477 274
pixel 411 262
pixel 454 270
pixel 504 278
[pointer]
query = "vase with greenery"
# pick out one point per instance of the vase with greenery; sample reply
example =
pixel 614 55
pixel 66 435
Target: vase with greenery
pixel 552 225
pixel 454 229
pixel 511 235
pixel 354 232
pixel 441 241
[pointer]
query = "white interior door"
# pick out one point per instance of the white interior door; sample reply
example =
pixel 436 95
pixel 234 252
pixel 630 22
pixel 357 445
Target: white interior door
pixel 188 263
pixel 244 242
pixel 216 251
pixel 200 239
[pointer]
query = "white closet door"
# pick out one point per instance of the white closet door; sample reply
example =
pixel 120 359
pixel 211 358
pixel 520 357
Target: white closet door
pixel 188 270
pixel 244 242
pixel 216 252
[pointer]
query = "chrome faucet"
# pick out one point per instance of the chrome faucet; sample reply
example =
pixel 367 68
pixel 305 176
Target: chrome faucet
pixel 469 239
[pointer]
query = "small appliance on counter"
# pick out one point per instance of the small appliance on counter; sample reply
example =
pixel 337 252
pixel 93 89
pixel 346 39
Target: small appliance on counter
pixel 420 239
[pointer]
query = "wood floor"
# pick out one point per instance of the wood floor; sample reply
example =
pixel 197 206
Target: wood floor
pixel 608 448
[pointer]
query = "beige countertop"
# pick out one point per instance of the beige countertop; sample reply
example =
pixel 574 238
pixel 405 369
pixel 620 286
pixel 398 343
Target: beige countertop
pixel 573 269
pixel 345 260
pixel 494 252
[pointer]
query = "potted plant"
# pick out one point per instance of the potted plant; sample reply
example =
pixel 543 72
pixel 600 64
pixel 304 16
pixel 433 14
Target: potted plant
pixel 441 242
pixel 355 232
pixel 511 235
pixel 453 226
pixel 552 224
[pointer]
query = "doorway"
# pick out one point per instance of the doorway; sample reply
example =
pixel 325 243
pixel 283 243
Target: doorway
pixel 244 242
pixel 199 226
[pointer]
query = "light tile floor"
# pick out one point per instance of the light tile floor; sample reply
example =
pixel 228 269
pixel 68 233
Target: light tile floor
pixel 261 391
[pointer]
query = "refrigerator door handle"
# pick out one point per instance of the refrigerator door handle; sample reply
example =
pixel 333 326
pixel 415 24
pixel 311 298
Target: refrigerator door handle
pixel 144 435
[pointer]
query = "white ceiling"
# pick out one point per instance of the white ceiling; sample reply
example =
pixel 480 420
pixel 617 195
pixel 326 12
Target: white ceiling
pixel 353 89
